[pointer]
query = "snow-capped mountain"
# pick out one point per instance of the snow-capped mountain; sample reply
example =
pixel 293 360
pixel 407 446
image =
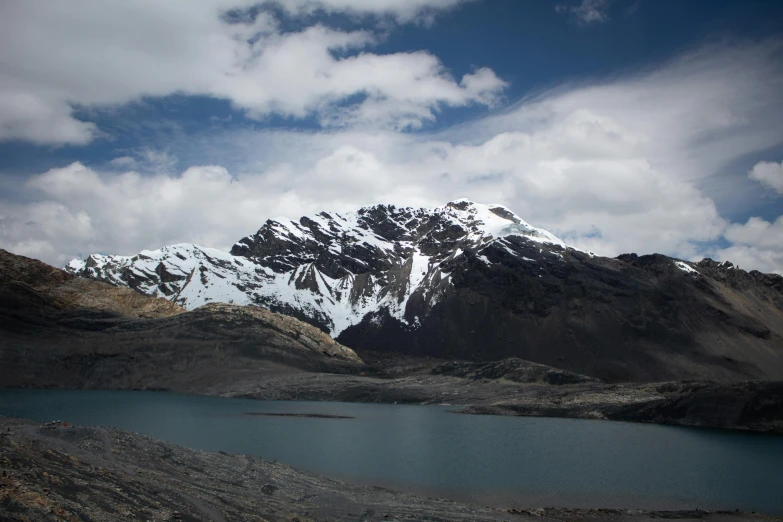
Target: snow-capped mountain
pixel 334 269
pixel 473 281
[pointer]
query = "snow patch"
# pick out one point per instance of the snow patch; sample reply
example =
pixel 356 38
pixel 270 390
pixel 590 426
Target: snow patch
pixel 685 267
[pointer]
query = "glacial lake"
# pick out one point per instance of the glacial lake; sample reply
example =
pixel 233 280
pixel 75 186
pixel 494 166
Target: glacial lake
pixel 503 461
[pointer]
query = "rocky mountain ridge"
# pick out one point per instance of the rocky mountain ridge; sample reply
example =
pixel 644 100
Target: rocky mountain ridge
pixel 330 269
pixel 476 282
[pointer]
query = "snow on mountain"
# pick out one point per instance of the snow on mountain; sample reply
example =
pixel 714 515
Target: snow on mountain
pixel 334 268
pixel 685 267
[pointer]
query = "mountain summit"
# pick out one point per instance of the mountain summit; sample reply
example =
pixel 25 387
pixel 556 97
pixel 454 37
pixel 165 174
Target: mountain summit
pixel 476 281
pixel 331 268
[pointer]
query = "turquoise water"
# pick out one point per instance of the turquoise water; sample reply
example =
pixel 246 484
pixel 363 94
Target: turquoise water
pixel 506 461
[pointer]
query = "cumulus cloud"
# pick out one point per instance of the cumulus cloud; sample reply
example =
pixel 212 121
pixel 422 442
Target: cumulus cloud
pixel 757 244
pixel 26 116
pixel 691 116
pixel 757 232
pixel 608 205
pixel 612 167
pixel 57 57
pixel 769 174
pixel 91 211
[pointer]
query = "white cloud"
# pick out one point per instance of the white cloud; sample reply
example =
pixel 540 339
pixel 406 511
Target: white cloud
pixel 691 116
pixel 757 232
pixel 769 174
pixel 82 211
pixel 758 244
pixel 56 56
pixel 613 167
pixel 588 11
pixel 25 116
pixel 121 162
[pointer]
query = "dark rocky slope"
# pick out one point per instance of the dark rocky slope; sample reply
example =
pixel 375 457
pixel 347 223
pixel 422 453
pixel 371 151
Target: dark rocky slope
pixel 626 319
pixel 54 472
pixel 58 290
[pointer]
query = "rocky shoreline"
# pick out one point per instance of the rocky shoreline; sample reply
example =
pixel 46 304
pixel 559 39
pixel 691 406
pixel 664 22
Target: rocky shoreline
pixel 58 472
pixel 749 406
pixel 516 387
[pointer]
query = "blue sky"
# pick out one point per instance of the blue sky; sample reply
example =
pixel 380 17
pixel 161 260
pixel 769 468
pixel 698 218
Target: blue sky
pixel 644 125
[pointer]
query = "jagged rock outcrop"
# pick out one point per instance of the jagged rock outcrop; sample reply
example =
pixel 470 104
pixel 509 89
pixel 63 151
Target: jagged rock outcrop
pixel 476 282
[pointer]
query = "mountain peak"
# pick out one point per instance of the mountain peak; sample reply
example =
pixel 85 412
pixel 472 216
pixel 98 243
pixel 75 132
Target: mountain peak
pixel 497 221
pixel 335 268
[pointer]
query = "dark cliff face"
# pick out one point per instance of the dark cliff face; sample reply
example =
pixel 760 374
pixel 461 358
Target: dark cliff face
pixel 331 243
pixel 476 282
